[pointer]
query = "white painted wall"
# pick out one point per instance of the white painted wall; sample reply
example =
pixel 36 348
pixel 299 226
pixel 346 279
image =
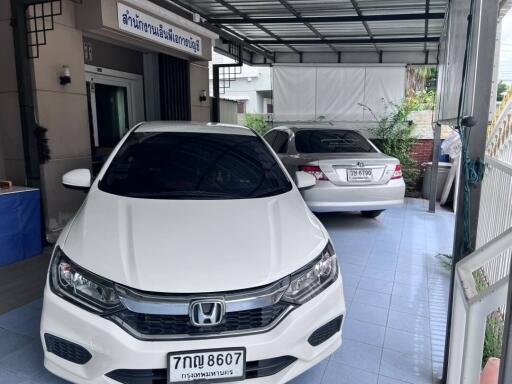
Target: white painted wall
pixel 253 84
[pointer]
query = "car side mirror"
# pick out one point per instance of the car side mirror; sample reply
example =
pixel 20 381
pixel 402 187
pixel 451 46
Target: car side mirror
pixel 77 179
pixel 304 180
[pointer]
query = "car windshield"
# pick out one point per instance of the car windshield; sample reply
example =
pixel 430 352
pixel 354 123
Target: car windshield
pixel 331 141
pixel 183 165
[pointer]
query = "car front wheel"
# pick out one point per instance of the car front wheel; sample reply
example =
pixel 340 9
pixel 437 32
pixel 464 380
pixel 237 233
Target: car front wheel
pixel 371 214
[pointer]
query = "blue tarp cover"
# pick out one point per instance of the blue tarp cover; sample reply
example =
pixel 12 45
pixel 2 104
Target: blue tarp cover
pixel 20 225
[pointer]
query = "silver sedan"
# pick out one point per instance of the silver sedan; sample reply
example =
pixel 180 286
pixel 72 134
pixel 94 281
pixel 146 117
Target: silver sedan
pixel 352 174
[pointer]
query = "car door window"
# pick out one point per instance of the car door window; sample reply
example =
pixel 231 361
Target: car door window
pixel 269 137
pixel 281 142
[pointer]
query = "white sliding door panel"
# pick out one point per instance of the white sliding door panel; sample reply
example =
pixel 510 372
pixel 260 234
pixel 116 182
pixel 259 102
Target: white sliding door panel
pixel 340 91
pixel 294 93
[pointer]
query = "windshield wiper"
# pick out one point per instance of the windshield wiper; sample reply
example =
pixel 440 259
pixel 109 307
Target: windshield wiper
pixel 184 195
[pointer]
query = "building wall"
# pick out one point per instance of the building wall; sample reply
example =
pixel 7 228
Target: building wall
pixel 198 83
pixel 228 111
pixel 12 163
pixel 248 86
pixel 107 55
pixel 62 109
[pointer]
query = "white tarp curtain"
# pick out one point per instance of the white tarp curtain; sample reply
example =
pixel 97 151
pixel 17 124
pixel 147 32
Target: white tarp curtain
pixel 335 93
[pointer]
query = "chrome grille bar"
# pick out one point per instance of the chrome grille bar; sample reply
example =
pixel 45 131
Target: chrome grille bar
pixel 169 304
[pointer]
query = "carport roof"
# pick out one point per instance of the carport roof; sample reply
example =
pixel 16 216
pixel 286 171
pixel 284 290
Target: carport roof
pixel 271 27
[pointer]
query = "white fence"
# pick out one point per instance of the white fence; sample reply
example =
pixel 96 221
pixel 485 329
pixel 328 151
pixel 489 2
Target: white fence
pixel 472 302
pixel 496 200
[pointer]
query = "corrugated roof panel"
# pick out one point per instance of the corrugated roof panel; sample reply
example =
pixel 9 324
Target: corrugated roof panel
pixel 238 9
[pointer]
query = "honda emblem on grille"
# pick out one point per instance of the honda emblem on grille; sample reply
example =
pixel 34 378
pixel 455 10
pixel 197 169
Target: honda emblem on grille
pixel 207 312
pixel 360 164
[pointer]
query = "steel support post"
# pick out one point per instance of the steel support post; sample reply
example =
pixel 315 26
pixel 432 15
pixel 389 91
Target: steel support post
pixel 216 94
pixel 435 169
pixel 485 20
pixel 25 93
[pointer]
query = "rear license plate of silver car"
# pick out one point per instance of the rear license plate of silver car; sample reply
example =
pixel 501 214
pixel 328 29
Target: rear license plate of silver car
pixel 359 175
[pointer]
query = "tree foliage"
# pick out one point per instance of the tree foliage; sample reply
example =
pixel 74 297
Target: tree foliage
pixel 502 89
pixel 256 122
pixel 394 131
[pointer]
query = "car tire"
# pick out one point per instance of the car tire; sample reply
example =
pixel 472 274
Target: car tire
pixel 371 214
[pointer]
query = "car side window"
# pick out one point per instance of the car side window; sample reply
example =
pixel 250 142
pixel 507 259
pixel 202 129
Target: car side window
pixel 269 137
pixel 281 142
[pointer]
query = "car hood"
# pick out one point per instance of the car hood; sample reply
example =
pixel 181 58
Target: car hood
pixel 190 246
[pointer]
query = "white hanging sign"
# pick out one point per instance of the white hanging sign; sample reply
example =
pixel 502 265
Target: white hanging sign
pixel 149 27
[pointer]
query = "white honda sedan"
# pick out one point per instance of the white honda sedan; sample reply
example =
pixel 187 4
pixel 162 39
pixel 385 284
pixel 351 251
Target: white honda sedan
pixel 352 174
pixel 193 259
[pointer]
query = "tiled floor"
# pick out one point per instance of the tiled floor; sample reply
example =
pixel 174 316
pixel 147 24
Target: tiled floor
pixel 396 290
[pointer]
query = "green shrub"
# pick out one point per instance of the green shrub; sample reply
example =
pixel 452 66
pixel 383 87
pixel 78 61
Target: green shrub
pixel 494 326
pixel 394 132
pixel 256 122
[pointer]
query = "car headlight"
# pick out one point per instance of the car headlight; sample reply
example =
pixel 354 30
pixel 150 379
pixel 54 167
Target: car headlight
pixel 81 287
pixel 314 278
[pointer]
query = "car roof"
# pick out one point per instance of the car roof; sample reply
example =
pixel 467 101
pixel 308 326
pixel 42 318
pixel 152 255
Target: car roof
pixel 193 127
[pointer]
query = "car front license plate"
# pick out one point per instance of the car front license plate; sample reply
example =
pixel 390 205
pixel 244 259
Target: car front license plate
pixel 359 175
pixel 219 365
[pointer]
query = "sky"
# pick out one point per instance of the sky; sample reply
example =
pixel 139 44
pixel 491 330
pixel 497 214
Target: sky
pixel 505 73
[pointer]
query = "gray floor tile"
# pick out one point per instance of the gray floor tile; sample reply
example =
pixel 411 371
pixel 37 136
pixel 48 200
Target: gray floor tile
pixel 338 373
pixel 11 342
pixel 364 332
pixel 408 305
pixel 349 292
pixel 350 280
pixel 26 361
pixel 348 269
pixel 376 285
pixel 388 380
pixel 368 313
pixel 359 355
pixel 414 292
pixel 372 298
pixel 404 367
pixel 412 278
pixel 313 375
pixel 7 377
pixel 409 323
pixel 353 259
pixel 43 376
pixel 387 274
pixel 413 344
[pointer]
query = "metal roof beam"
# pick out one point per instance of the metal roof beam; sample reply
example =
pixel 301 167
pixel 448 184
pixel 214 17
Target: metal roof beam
pixel 311 28
pixel 427 11
pixel 330 19
pixel 374 40
pixel 365 24
pixel 261 27
pixel 223 32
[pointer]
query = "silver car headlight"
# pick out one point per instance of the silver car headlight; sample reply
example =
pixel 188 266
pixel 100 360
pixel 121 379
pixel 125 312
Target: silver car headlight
pixel 81 287
pixel 314 278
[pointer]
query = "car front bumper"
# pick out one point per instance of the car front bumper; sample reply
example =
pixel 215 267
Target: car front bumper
pixel 114 349
pixel 328 197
